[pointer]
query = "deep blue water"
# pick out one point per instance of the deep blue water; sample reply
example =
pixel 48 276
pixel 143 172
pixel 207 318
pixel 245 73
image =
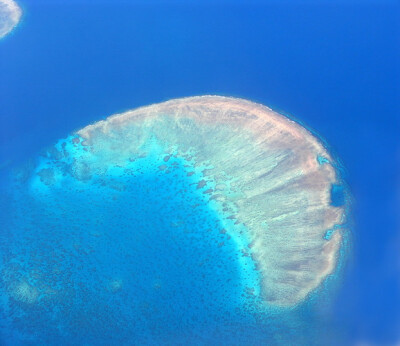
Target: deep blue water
pixel 335 67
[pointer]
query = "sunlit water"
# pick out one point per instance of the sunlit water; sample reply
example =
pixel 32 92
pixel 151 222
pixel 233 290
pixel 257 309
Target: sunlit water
pixel 122 241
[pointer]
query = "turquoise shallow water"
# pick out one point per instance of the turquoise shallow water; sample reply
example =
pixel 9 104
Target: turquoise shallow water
pixel 335 67
pixel 135 254
pixel 123 256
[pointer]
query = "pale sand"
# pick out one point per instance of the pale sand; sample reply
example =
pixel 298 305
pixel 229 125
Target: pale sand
pixel 278 190
pixel 10 15
pixel 24 292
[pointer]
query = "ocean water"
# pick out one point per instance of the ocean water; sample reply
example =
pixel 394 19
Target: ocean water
pixel 69 64
pixel 139 243
pixel 124 259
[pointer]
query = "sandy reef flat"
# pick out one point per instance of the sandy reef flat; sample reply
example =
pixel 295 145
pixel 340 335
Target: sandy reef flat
pixel 10 15
pixel 279 187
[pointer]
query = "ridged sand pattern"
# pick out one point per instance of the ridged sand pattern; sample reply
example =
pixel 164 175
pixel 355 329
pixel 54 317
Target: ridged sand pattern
pixel 10 14
pixel 277 186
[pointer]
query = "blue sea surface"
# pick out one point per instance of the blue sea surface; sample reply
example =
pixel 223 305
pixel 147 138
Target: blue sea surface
pixel 332 65
pixel 124 258
pixel 136 254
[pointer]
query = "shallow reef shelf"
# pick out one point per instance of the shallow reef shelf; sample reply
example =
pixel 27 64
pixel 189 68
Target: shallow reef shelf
pixel 193 213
